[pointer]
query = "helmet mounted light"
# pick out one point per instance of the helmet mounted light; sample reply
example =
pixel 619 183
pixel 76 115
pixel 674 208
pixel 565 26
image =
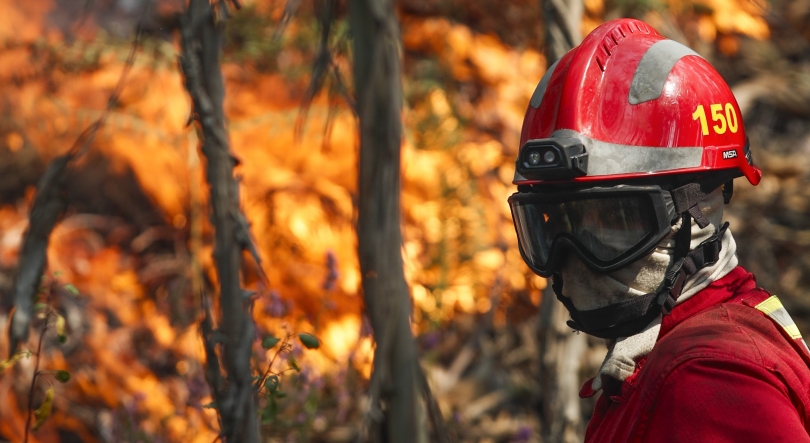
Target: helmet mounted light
pixel 552 158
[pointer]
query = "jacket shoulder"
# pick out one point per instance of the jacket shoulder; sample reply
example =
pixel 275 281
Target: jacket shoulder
pixel 719 350
pixel 728 331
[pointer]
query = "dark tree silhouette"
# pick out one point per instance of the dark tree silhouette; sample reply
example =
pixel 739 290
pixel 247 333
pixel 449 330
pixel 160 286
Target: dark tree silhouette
pixel 561 350
pixel 49 206
pixel 234 396
pixel 378 92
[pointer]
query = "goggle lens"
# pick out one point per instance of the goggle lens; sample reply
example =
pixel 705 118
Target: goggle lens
pixel 606 228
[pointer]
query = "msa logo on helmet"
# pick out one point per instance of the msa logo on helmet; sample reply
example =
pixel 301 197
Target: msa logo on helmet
pixel 729 154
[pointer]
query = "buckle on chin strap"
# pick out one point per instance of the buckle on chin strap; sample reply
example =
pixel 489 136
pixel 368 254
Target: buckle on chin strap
pixel 673 285
pixel 707 253
pixel 712 247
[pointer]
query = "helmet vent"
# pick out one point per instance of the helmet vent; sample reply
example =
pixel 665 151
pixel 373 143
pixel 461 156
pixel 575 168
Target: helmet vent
pixel 614 37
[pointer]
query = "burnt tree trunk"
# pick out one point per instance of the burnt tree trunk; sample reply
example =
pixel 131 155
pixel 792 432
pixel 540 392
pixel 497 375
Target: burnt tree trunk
pixel 561 350
pixel 234 399
pixel 561 354
pixel 48 206
pixel 378 92
pixel 562 20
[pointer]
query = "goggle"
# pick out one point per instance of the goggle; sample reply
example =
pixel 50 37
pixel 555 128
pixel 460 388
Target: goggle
pixel 608 228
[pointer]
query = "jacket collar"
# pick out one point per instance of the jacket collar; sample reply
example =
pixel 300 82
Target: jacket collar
pixel 738 281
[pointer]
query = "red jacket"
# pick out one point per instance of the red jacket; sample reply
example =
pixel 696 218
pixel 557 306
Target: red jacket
pixel 721 371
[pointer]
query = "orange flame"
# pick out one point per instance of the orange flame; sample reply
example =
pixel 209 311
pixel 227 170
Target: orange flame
pixel 134 354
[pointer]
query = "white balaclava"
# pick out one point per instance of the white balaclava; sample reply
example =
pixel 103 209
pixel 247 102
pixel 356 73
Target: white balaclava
pixel 588 289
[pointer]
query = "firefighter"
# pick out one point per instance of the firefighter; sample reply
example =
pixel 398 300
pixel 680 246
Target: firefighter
pixel 629 149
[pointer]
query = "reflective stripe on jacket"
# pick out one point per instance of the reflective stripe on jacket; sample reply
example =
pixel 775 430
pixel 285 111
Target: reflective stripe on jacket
pixel 729 366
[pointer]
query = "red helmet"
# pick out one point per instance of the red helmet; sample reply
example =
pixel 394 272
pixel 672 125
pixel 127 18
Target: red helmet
pixel 626 104
pixel 623 137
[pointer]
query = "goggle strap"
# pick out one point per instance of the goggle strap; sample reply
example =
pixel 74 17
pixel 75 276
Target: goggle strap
pixel 683 238
pixel 697 214
pixel 688 196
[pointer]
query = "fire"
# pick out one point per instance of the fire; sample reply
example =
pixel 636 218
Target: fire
pixel 297 193
pixel 723 21
pixel 739 17
pixel 24 22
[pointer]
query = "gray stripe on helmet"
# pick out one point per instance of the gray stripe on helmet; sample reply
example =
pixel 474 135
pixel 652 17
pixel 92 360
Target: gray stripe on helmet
pixel 654 68
pixel 540 90
pixel 606 158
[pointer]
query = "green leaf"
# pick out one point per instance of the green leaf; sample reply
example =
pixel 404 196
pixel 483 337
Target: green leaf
pixel 44 410
pixel 62 376
pixel 40 306
pixel 210 405
pixel 269 342
pixel 309 341
pixel 70 288
pixel 271 384
pixel 270 411
pixel 281 394
pixel 58 273
pixel 293 363
pixel 61 337
pixel 14 359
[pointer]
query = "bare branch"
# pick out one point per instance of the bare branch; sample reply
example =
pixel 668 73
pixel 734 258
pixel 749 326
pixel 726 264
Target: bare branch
pixel 562 23
pixel 48 207
pixel 321 65
pixel 434 413
pixel 213 372
pixel 561 351
pixel 201 39
pixel 289 11
pixel 377 69
pixel 373 415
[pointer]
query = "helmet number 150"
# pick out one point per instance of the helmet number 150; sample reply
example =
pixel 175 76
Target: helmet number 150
pixel 725 118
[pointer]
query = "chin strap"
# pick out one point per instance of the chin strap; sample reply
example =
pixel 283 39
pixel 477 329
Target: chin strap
pixel 631 316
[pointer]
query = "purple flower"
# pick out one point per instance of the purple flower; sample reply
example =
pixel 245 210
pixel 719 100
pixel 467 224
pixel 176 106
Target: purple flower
pixel 365 328
pixel 344 400
pixel 276 306
pixel 197 389
pixel 305 375
pixel 316 383
pixel 332 272
pixel 431 340
pixel 523 434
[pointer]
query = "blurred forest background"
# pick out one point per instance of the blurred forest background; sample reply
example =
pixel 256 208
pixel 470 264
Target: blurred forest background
pixel 128 262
